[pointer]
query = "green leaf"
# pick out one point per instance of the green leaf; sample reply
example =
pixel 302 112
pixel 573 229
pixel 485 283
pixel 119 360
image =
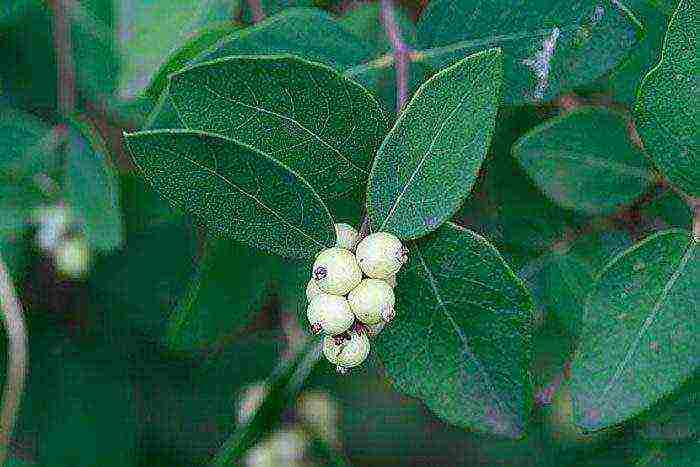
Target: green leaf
pixel 312 119
pixel 428 163
pixel 666 112
pixel 562 278
pixel 461 338
pixel 683 455
pixel 675 419
pixel 284 387
pixel 235 190
pixel 92 189
pixel 639 342
pixel 665 212
pixel 271 7
pixel 549 47
pixel 307 32
pixel 585 161
pixel 230 286
pixel 183 55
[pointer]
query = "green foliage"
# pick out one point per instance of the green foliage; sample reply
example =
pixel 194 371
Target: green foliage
pixel 666 110
pixel 92 189
pixel 323 126
pixel 429 160
pixel 235 190
pixel 461 337
pixel 638 343
pixel 585 161
pixel 549 47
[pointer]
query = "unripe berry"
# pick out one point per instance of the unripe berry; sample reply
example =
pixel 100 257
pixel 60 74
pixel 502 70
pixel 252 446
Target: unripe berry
pixel 330 314
pixel 312 290
pixel 381 255
pixel 72 257
pixel 346 236
pixel 372 301
pixel 346 353
pixel 336 271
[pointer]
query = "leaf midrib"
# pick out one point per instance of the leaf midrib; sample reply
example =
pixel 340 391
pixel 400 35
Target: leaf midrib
pixel 465 344
pixel 648 322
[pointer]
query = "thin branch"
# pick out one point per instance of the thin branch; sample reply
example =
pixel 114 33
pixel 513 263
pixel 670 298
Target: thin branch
pixel 696 219
pixel 256 10
pixel 16 359
pixel 64 54
pixel 401 53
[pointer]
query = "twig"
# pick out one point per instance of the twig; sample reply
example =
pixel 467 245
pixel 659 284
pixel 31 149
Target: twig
pixel 64 54
pixel 401 53
pixel 256 10
pixel 696 219
pixel 16 359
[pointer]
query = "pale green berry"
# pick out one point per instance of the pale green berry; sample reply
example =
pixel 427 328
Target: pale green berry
pixel 330 314
pixel 374 329
pixel 381 255
pixel 346 236
pixel 372 301
pixel 312 290
pixel 336 271
pixel 72 257
pixel 346 353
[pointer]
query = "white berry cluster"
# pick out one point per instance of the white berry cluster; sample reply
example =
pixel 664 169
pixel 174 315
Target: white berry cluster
pixel 351 293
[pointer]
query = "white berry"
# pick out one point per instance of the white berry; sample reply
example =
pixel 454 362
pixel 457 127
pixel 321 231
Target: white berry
pixel 336 271
pixel 346 236
pixel 381 255
pixel 372 301
pixel 391 281
pixel 72 257
pixel 346 353
pixel 312 290
pixel 330 314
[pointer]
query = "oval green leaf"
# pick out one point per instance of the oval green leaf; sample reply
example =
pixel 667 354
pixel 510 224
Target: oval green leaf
pixel 235 190
pixel 308 116
pixel 585 161
pixel 666 111
pixel 639 340
pixel 429 162
pixel 461 338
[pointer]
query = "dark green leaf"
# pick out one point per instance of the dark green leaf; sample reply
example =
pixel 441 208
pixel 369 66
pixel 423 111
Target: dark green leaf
pixel 235 190
pixel 666 107
pixel 230 286
pixel 639 340
pixel 284 386
pixel 548 46
pixel 461 338
pixel 584 161
pixel 429 161
pixel 675 419
pixel 92 189
pixel 271 7
pixel 665 212
pixel 320 124
pixel 672 455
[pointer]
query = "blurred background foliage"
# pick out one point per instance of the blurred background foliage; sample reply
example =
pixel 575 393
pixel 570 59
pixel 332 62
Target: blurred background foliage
pixel 149 339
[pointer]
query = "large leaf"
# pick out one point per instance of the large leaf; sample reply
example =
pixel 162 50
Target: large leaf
pixel 230 286
pixel 548 46
pixel 676 455
pixel 666 112
pixel 461 338
pixel 429 161
pixel 235 190
pixel 639 341
pixel 92 189
pixel 322 125
pixel 675 419
pixel 585 161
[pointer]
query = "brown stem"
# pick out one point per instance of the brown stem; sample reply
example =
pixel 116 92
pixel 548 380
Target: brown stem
pixel 16 359
pixel 401 53
pixel 64 54
pixel 256 10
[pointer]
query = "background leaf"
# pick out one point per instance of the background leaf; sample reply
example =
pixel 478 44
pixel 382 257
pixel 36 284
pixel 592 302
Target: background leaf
pixel 585 161
pixel 666 110
pixel 323 126
pixel 235 190
pixel 92 188
pixel 548 46
pixel 461 338
pixel 639 341
pixel 429 160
